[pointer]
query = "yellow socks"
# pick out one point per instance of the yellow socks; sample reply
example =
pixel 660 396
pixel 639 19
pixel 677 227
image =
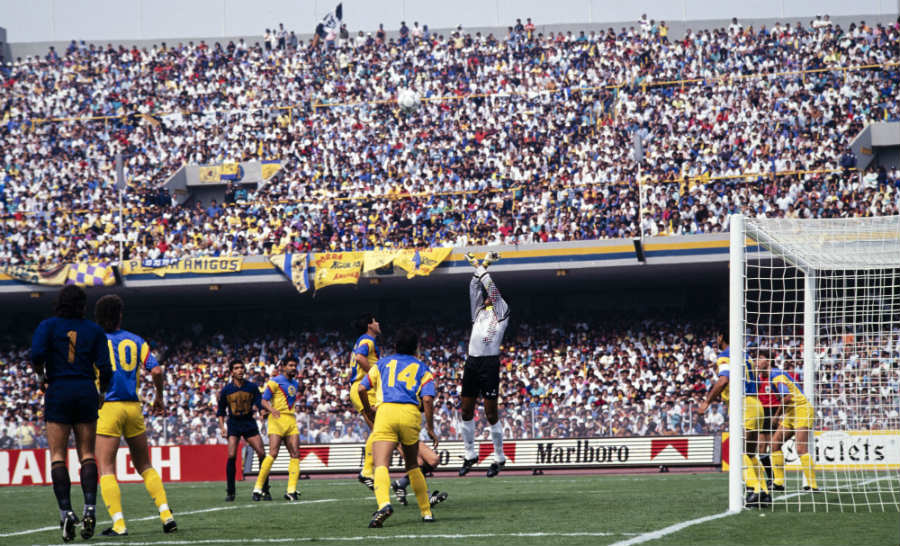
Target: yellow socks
pixel 264 470
pixel 368 465
pixel 382 486
pixel 760 473
pixel 112 497
pixel 807 464
pixel 293 475
pixel 778 467
pixel 154 486
pixel 750 479
pixel 417 479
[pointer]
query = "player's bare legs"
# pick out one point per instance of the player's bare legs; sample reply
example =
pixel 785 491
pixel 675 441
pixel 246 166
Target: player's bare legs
pixel 428 460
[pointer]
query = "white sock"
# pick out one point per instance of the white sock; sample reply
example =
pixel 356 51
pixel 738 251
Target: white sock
pixel 497 438
pixel 468 434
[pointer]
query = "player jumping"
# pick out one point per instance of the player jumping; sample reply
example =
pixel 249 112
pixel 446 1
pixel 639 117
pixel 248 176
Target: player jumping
pixel 481 376
pixel 365 354
pixel 237 400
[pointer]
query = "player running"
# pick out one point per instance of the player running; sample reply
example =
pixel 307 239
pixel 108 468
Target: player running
pixel 236 401
pixel 753 416
pixel 481 375
pixel 65 352
pixel 402 383
pixel 278 398
pixel 797 421
pixel 121 415
pixel 365 353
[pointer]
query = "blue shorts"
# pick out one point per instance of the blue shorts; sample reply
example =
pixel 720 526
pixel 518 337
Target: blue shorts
pixel 70 401
pixel 245 428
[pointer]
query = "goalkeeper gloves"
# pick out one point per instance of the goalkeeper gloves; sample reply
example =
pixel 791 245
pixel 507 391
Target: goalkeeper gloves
pixel 491 258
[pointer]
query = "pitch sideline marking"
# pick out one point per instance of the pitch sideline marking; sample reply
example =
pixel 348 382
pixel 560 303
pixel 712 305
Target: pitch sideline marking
pixel 187 513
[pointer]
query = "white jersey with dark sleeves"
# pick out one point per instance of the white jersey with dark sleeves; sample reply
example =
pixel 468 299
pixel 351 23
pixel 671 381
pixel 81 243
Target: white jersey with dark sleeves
pixel 489 322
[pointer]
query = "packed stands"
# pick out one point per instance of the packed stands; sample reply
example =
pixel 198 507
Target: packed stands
pixel 524 137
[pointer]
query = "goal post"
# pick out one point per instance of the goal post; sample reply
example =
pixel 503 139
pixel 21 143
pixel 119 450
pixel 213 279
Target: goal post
pixel 815 307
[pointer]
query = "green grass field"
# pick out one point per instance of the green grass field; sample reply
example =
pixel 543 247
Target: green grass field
pixel 561 509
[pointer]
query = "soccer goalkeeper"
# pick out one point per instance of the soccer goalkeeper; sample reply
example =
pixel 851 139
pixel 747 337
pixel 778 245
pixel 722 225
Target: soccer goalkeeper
pixel 481 376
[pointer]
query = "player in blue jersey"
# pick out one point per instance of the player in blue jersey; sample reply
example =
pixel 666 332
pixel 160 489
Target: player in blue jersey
pixel 402 383
pixel 278 398
pixel 365 354
pixel 758 496
pixel 122 415
pixel 236 401
pixel 70 357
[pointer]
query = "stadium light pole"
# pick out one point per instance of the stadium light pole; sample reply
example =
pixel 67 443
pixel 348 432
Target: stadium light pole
pixel 736 367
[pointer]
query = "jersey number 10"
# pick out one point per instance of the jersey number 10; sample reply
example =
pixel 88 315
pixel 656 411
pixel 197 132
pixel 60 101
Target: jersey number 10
pixel 127 352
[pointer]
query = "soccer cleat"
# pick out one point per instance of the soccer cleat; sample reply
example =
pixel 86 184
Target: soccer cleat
pixel 257 496
pixel 112 533
pixel 437 497
pixel 811 489
pixel 229 497
pixel 752 500
pixel 776 487
pixel 467 465
pixel 428 519
pixel 293 496
pixel 380 515
pixel 472 259
pixel 170 526
pixel 495 469
pixel 400 492
pixel 368 481
pixel 267 495
pixel 67 525
pixel 765 500
pixel 88 523
pixel 490 258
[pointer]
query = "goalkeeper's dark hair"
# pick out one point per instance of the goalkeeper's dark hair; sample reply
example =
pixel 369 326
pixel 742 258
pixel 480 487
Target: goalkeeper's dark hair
pixel 406 341
pixel 71 302
pixel 108 312
pixel 361 323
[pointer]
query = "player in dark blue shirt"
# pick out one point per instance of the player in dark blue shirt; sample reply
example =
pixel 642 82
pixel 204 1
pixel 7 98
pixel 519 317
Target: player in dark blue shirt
pixel 70 356
pixel 236 402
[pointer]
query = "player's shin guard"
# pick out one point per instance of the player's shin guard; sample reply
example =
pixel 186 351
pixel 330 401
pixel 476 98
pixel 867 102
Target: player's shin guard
pixel 230 471
pixel 497 439
pixel 806 463
pixel 468 434
pixel 750 478
pixel 154 486
pixel 62 486
pixel 382 486
pixel 368 469
pixel 264 469
pixel 89 483
pixel 293 475
pixel 778 467
pixel 417 479
pixel 760 477
pixel 112 498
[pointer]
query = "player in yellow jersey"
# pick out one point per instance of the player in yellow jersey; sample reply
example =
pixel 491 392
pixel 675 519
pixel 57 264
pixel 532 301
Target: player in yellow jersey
pixel 797 420
pixel 365 354
pixel 758 496
pixel 121 416
pixel 278 398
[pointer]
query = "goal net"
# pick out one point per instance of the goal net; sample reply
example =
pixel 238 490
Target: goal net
pixel 815 308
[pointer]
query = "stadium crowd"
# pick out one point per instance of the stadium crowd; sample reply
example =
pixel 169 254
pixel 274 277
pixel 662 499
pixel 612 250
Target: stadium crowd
pixel 618 377
pixel 525 137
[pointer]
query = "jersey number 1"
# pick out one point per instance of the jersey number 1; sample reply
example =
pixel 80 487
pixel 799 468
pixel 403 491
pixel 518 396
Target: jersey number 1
pixel 407 375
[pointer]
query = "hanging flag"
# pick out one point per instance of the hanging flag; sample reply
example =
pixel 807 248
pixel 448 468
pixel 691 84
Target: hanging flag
pixel 337 268
pixel 421 262
pixel 331 22
pixel 84 274
pixel 376 259
pixel 295 267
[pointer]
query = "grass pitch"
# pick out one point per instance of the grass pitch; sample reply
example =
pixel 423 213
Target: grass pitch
pixel 550 509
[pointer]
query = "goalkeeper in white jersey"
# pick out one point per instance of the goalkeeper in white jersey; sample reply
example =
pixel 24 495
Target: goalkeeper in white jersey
pixel 481 377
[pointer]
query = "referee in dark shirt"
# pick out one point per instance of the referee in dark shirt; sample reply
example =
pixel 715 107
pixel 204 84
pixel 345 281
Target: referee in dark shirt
pixel 236 401
pixel 70 356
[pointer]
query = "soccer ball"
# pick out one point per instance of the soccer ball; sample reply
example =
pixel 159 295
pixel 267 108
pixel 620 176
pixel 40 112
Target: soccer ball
pixel 407 99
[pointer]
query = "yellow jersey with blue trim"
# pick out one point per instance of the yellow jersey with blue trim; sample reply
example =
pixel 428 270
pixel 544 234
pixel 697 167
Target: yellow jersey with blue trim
pixel 281 392
pixel 366 346
pixel 783 384
pixel 127 353
pixel 400 379
pixel 723 361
